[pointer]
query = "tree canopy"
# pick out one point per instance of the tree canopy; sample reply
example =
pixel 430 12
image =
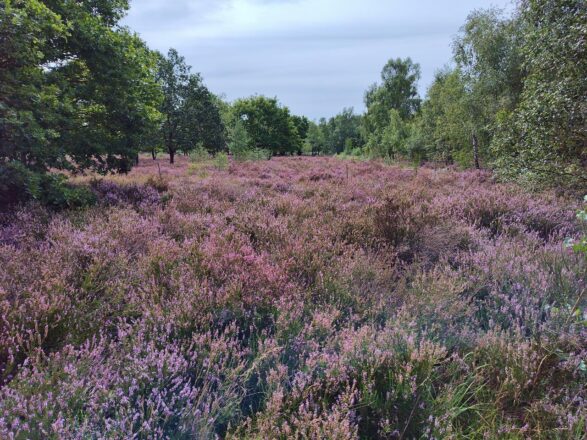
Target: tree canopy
pixel 513 98
pixel 190 113
pixel 544 137
pixel 269 125
pixel 396 96
pixel 77 91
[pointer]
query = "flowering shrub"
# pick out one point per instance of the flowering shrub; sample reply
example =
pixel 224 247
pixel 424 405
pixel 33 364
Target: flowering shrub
pixel 111 193
pixel 294 298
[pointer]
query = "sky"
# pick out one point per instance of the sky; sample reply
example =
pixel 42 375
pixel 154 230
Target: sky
pixel 315 56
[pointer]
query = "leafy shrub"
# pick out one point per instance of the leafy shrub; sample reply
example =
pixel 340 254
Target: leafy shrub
pixel 221 161
pixel 581 244
pixel 19 184
pixel 252 155
pixel 57 194
pixel 199 154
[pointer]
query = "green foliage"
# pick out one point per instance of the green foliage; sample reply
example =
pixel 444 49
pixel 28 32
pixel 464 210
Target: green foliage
pixel 447 123
pixel 302 125
pixel 397 90
pixel 18 184
pixel 56 193
pixel 581 244
pixel 343 131
pixel 335 135
pixel 66 103
pixel 463 103
pixel 221 160
pixel 240 142
pixel 487 53
pixel 254 155
pixel 543 140
pixel 77 92
pixel 390 140
pixel 191 115
pixel 458 119
pixel 26 30
pixel 240 145
pixel 315 140
pixel 199 154
pixel 514 100
pixel 389 106
pixel 202 117
pixel 268 124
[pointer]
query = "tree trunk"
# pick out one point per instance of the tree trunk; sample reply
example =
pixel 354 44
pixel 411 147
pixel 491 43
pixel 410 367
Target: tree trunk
pixel 171 156
pixel 476 151
pixel 154 154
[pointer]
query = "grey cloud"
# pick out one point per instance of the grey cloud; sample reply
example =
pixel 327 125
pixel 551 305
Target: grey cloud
pixel 161 15
pixel 316 69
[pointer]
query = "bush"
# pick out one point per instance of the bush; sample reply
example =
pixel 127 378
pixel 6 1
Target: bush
pixel 252 155
pixel 19 184
pixel 581 244
pixel 200 154
pixel 221 161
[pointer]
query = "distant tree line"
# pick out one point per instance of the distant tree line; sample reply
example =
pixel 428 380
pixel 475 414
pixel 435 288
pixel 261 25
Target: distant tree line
pixel 78 91
pixel 513 100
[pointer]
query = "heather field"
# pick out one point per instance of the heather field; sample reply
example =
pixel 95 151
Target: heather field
pixel 296 298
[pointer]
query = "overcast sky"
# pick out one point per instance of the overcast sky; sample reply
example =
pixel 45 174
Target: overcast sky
pixel 316 56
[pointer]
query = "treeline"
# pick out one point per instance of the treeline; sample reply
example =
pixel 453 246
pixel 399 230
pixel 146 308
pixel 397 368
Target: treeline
pixel 192 118
pixel 513 99
pixel 79 91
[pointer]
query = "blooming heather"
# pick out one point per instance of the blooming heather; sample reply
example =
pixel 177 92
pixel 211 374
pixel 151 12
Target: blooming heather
pixel 304 298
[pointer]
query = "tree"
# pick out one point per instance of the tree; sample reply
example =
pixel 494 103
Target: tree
pixel 394 135
pixel 343 130
pixel 315 140
pixel 268 124
pixel 490 71
pixel 240 141
pixel 26 29
pixel 190 113
pixel 397 92
pixel 203 122
pixel 76 90
pixel 398 88
pixel 173 75
pixel 302 125
pixel 447 118
pixel 544 139
pixel 335 135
